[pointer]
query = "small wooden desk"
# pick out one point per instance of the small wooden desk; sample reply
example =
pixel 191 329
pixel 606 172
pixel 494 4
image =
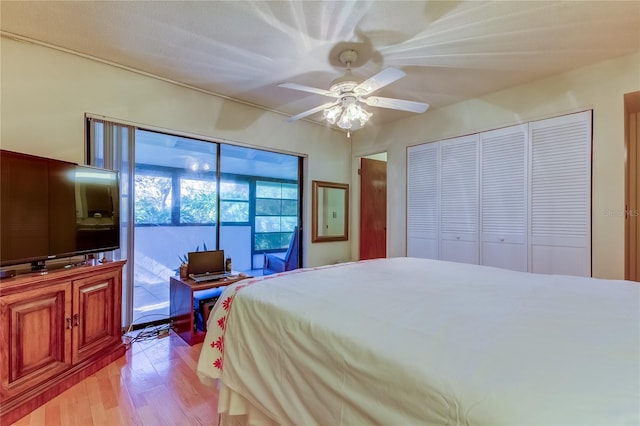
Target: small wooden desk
pixel 181 304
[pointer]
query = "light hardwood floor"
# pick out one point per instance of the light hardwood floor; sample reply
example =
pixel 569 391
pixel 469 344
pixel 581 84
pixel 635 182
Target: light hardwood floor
pixel 155 383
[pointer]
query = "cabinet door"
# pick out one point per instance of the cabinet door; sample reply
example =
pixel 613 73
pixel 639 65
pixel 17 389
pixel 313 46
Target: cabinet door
pixel 35 336
pixel 459 200
pixel 96 318
pixel 423 189
pixel 560 230
pixel 503 199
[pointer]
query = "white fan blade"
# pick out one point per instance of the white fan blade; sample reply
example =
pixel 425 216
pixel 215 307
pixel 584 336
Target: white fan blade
pixel 309 89
pixel 311 111
pixel 377 101
pixel 378 81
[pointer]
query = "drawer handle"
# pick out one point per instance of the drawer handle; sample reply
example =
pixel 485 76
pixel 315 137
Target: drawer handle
pixel 457 238
pixel 76 319
pixel 69 325
pixel 502 240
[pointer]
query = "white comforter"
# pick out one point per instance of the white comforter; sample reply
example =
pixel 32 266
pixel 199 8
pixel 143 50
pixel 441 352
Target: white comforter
pixel 412 342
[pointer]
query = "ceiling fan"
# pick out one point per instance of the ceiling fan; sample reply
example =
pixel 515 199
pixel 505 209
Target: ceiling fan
pixel 346 111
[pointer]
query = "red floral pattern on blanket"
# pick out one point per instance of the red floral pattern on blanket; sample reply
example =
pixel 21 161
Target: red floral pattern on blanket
pixel 221 313
pixel 220 317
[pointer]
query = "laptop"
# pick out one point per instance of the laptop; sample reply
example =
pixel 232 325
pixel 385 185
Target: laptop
pixel 206 265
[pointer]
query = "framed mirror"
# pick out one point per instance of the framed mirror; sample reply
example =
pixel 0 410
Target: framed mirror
pixel 330 212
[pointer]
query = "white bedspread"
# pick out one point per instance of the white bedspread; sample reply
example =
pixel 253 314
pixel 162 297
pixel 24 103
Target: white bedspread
pixel 412 342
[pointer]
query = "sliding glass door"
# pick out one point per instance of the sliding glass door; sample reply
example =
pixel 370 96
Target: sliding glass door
pixel 265 207
pixel 189 195
pixel 176 211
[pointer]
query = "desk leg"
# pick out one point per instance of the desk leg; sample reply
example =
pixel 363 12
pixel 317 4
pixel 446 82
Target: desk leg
pixel 181 309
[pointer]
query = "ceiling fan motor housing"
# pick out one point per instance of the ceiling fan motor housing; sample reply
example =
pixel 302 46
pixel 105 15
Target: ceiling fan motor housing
pixel 348 57
pixel 344 84
pixel 348 81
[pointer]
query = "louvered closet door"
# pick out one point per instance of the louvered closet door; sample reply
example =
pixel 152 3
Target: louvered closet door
pixel 503 199
pixel 422 200
pixel 459 199
pixel 560 224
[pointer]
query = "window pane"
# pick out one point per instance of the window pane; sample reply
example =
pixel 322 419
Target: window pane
pixel 153 199
pixel 234 211
pixel 277 203
pixel 267 223
pixel 268 207
pixel 197 201
pixel 234 190
pixel 290 191
pixel 288 223
pixel 268 189
pixel 276 223
pixel 289 207
pixel 272 240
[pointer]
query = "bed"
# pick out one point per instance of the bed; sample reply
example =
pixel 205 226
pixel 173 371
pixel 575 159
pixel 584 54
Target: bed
pixel 406 341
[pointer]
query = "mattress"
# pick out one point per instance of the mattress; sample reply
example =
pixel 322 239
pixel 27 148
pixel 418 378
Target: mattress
pixel 416 341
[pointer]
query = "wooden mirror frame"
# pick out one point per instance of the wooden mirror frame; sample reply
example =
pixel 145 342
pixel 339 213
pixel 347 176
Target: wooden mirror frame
pixel 318 217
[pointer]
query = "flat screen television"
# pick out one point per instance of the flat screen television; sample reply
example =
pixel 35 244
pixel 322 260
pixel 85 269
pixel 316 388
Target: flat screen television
pixel 53 209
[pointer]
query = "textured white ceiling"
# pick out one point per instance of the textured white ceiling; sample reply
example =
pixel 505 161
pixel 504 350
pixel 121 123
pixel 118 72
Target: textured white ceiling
pixel 450 50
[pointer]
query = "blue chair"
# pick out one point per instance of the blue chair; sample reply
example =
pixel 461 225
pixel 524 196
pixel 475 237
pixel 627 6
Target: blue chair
pixel 274 264
pixel 203 301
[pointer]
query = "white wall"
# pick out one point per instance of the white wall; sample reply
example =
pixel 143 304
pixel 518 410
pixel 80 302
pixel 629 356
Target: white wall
pixel 46 92
pixel 600 87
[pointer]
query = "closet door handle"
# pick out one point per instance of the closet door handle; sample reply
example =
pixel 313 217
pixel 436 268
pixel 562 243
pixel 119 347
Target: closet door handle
pixel 76 319
pixel 69 325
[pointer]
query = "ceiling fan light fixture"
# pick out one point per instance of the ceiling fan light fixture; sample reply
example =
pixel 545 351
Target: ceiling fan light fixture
pixel 350 94
pixel 344 122
pixel 332 114
pixel 348 115
pixel 354 112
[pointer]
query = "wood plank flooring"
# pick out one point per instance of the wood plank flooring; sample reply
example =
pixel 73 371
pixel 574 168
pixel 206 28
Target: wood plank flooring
pixel 155 383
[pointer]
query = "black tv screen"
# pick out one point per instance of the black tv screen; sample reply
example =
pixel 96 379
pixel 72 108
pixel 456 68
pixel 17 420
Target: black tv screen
pixel 51 209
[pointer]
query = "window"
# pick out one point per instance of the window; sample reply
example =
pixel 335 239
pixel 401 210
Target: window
pixel 153 199
pixel 234 201
pixel 197 201
pixel 276 214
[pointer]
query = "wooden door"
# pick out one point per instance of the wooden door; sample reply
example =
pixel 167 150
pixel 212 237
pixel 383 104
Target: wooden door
pixel 95 315
pixel 373 209
pixel 35 338
pixel 632 178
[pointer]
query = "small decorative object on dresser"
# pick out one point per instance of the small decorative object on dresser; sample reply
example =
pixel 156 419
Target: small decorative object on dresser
pixel 184 271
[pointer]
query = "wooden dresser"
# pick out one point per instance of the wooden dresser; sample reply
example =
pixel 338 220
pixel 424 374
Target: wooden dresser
pixel 56 329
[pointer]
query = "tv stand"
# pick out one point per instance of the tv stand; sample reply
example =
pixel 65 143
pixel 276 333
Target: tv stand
pixel 56 329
